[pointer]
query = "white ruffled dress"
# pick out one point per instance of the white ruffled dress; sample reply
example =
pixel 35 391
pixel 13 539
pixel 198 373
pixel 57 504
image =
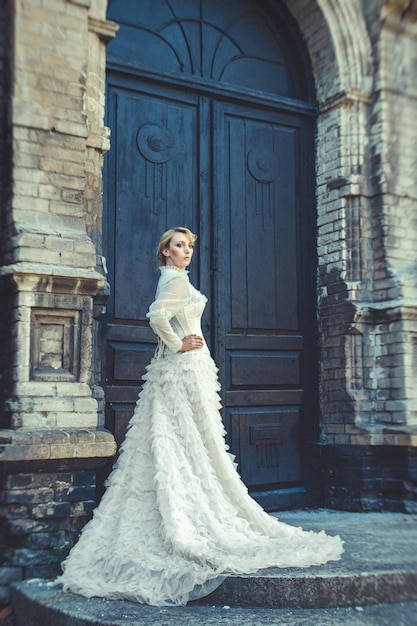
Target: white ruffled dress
pixel 176 518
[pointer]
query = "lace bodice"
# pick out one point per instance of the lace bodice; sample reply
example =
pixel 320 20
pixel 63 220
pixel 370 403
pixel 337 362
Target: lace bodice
pixel 176 311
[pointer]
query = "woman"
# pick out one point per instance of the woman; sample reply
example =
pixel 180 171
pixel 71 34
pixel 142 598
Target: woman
pixel 176 518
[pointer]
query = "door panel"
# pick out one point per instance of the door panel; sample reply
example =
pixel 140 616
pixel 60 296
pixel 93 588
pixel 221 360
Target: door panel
pixel 156 183
pixel 269 445
pixel 154 186
pixel 260 340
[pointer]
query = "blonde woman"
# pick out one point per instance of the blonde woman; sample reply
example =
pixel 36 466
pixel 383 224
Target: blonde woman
pixel 176 517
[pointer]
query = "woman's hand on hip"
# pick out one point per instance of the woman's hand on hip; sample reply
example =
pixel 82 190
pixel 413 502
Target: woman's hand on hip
pixel 191 342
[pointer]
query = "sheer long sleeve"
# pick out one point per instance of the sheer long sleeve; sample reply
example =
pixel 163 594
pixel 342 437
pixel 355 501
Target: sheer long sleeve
pixel 171 297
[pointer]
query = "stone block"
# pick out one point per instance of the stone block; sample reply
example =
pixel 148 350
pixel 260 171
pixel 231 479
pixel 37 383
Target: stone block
pixel 81 436
pixel 102 449
pixel 24 527
pixel 62 451
pixel 71 128
pixel 76 420
pixel 18 453
pixel 28 495
pixel 59 509
pixel 58 243
pixel 83 494
pixel 52 436
pixel 18 480
pixel 84 405
pixel 27 556
pixel 61 493
pixel 85 479
pixel 10 575
pixel 82 510
pixel 38 420
pixel 40 540
pixel 44 572
pixel 51 165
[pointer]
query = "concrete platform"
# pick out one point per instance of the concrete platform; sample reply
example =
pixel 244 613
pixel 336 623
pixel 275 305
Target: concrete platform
pixel 375 582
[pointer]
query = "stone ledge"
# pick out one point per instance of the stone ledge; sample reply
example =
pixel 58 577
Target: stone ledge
pixel 105 29
pixel 37 604
pixel 88 281
pixel 385 435
pixel 27 445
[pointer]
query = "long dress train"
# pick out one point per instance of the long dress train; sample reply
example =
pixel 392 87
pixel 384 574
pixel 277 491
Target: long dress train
pixel 175 517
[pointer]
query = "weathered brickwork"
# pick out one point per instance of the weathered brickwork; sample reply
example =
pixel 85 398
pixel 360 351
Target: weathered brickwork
pixel 51 270
pixel 48 491
pixel 370 478
pixel 53 278
pixel 6 356
pixel 366 196
pixel 58 141
pixel 40 512
pixel 6 20
pixel 366 205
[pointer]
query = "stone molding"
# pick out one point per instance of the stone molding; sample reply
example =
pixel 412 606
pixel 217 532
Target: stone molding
pixel 47 445
pixel 387 310
pixel 105 29
pixel 52 342
pixel 351 43
pixel 58 277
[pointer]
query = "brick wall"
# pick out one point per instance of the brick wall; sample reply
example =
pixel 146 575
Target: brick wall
pixel 366 201
pixel 50 131
pixel 6 294
pixel 363 57
pixel 53 265
pixel 50 272
pixel 47 494
pixel 41 512
pixel 6 38
pixel 370 478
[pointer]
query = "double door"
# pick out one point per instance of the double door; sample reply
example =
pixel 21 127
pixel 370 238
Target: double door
pixel 238 175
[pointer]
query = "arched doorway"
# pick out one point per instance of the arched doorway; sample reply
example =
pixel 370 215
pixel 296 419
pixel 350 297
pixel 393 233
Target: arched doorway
pixel 209 104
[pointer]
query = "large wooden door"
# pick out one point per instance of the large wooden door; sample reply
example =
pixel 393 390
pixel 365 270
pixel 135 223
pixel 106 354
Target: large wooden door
pixel 197 146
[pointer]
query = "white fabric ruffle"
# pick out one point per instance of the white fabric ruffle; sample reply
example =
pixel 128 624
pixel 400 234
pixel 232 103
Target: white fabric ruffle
pixel 175 514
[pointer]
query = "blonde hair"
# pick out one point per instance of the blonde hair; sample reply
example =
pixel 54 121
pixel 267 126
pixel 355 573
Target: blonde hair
pixel 166 240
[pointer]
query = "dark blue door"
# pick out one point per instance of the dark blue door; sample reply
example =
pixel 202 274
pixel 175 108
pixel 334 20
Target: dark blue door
pixel 212 129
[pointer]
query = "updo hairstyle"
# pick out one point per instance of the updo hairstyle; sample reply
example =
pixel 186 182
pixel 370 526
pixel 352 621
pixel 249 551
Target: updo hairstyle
pixel 166 240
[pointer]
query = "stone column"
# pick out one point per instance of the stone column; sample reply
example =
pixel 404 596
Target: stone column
pixel 364 58
pixel 51 442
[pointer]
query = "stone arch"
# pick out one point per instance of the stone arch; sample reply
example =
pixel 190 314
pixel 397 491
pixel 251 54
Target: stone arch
pixel 352 44
pixel 339 44
pixel 340 48
pixel 357 190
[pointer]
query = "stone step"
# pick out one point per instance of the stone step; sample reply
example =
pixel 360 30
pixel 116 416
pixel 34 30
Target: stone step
pixel 275 589
pixel 36 604
pixel 379 566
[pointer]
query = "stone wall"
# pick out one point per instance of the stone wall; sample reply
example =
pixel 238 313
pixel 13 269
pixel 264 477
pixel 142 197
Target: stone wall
pixel 363 57
pixel 6 19
pixel 52 131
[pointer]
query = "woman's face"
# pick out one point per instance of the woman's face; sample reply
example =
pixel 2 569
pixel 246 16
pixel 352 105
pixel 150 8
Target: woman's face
pixel 179 252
